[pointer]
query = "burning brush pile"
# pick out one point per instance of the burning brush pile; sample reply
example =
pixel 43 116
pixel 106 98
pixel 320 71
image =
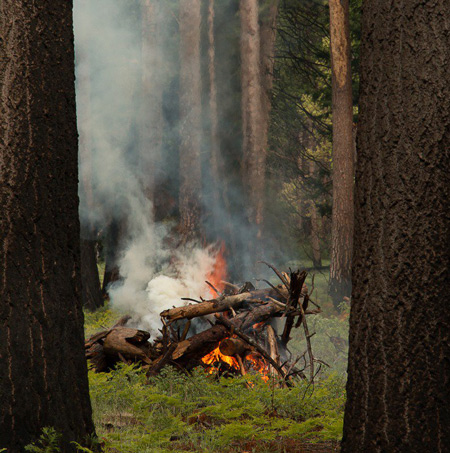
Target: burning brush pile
pixel 234 333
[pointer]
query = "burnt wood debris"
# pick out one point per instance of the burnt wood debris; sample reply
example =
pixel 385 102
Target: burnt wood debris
pixel 236 335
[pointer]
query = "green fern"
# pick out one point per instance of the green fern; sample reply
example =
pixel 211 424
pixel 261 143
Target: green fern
pixel 48 442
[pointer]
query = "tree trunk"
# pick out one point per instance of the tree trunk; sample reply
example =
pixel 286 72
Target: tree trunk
pixel 399 369
pixel 216 166
pixel 43 377
pixel 343 172
pixel 315 224
pixel 112 249
pixel 190 113
pixel 151 127
pixel 267 55
pixel 254 156
pixel 91 294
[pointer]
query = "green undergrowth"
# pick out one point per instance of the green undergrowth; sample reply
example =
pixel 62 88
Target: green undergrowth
pixel 201 412
pixel 101 319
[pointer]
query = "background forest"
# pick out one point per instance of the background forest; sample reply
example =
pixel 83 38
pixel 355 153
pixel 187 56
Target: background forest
pixel 165 167
pixel 205 131
pixel 187 136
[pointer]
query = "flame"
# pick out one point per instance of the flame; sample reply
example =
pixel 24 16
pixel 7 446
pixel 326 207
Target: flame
pixel 258 325
pixel 258 364
pixel 219 271
pixel 216 356
pixel 252 360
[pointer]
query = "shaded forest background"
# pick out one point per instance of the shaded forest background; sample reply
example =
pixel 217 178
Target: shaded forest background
pixel 167 151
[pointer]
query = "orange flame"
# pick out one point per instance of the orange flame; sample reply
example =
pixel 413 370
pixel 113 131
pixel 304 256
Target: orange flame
pixel 252 360
pixel 215 357
pixel 258 325
pixel 258 364
pixel 219 271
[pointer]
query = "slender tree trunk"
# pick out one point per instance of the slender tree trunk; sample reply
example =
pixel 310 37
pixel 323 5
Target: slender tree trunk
pixel 343 172
pixel 398 388
pixel 91 294
pixel 216 166
pixel 43 373
pixel 254 156
pixel 315 224
pixel 112 249
pixel 190 112
pixel 267 55
pixel 151 127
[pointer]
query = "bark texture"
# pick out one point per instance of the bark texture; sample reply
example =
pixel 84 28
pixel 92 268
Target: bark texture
pixel 43 373
pixel 191 119
pixel 343 168
pixel 399 368
pixel 254 155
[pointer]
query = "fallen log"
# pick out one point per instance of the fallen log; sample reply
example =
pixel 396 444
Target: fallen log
pixel 218 305
pixel 205 308
pixel 273 348
pixel 130 343
pixel 257 315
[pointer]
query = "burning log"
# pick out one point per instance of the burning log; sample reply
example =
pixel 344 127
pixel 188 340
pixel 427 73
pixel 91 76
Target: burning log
pixel 251 342
pixel 190 351
pixel 233 347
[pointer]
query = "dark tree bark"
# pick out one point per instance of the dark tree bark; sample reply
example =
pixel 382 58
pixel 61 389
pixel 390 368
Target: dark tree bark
pixel 398 388
pixel 43 373
pixel 343 171
pixel 191 118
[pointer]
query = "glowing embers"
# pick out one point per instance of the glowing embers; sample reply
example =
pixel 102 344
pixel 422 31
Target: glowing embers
pixel 259 325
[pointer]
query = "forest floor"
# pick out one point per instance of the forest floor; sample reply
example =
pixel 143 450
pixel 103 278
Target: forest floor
pixel 208 413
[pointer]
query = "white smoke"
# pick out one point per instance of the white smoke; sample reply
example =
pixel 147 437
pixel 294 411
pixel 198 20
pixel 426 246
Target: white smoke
pixel 108 48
